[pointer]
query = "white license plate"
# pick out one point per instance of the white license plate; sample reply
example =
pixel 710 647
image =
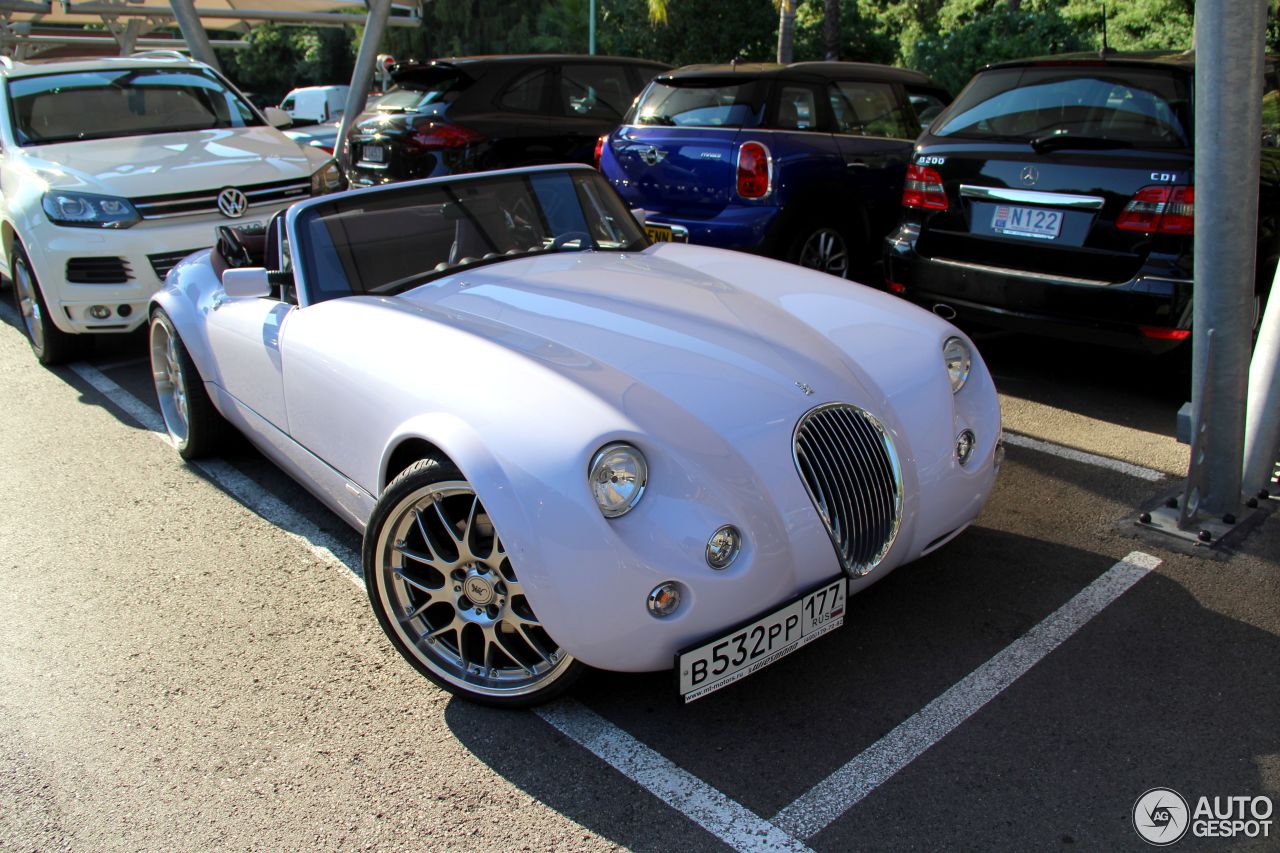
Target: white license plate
pixel 738 653
pixel 1027 222
pixel 373 154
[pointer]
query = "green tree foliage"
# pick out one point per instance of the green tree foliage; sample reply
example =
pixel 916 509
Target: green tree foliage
pixel 952 55
pixel 280 58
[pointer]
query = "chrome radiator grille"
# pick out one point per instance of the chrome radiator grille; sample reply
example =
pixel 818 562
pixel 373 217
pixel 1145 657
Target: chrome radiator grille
pixel 848 464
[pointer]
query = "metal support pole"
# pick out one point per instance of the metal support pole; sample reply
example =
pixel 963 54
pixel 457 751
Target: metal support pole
pixel 1262 421
pixel 362 76
pixel 591 29
pixel 184 11
pixel 1228 127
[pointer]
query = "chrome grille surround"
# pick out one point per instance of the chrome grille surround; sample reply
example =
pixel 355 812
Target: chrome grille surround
pixel 204 202
pixel 851 470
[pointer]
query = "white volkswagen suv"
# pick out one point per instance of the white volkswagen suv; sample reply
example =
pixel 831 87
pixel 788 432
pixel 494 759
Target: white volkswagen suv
pixel 113 170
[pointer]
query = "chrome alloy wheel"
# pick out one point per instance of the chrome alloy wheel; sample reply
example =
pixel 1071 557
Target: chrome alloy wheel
pixel 171 387
pixel 827 251
pixel 447 588
pixel 24 288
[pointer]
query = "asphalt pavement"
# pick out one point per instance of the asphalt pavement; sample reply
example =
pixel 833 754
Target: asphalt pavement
pixel 190 663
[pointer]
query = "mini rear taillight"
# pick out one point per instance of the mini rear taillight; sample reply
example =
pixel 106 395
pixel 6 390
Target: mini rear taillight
pixel 896 287
pixel 438 137
pixel 1160 210
pixel 600 148
pixel 755 170
pixel 923 189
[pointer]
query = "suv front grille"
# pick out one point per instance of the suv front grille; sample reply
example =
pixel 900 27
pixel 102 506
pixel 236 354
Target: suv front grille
pixel 206 201
pixel 850 468
pixel 166 261
pixel 98 270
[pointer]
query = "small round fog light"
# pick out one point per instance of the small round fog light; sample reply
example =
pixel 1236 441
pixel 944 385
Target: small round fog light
pixel 664 599
pixel 124 310
pixel 964 445
pixel 99 312
pixel 723 547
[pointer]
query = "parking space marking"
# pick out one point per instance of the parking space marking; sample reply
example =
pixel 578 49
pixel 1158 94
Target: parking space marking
pixel 725 818
pixel 1149 474
pixel 245 490
pixel 815 810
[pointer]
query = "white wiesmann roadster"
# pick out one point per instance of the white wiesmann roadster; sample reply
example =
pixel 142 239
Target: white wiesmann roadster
pixel 566 446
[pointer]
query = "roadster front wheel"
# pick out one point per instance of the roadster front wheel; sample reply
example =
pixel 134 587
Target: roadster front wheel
pixel 444 590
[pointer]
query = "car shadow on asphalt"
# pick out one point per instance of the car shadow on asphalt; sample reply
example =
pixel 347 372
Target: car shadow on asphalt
pixel 768 739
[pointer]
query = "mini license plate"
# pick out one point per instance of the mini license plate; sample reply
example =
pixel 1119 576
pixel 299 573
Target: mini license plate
pixel 738 653
pixel 661 234
pixel 373 154
pixel 1027 222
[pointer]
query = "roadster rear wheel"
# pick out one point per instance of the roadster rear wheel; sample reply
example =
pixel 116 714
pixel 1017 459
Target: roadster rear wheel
pixel 444 590
pixel 194 425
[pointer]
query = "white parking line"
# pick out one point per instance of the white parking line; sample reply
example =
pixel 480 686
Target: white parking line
pixel 725 818
pixel 842 790
pixel 245 490
pixel 1149 474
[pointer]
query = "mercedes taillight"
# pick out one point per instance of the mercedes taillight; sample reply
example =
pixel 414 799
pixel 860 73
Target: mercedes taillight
pixel 1160 210
pixel 755 170
pixel 600 148
pixel 923 189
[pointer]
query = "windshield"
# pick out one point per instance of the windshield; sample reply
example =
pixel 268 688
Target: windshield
pixel 1142 107
pixel 701 103
pixel 414 94
pixel 397 238
pixel 122 102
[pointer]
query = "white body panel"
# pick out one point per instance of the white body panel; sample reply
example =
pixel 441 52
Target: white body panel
pixel 519 371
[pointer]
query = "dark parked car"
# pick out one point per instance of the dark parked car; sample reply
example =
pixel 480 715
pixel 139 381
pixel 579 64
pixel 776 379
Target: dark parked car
pixel 493 112
pixel 1056 196
pixel 803 162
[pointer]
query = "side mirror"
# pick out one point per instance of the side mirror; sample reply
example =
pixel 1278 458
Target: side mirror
pixel 246 283
pixel 639 214
pixel 277 117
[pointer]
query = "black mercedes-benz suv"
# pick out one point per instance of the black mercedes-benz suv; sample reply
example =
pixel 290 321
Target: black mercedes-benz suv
pixel 1056 196
pixel 492 112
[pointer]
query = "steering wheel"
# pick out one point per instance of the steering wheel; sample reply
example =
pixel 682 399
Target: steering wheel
pixel 581 237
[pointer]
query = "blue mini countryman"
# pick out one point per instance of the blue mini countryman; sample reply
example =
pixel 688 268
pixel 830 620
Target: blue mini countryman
pixel 803 162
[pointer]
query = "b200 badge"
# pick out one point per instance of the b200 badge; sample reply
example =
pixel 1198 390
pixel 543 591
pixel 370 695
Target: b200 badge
pixel 931 161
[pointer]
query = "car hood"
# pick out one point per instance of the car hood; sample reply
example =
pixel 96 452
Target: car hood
pixel 738 348
pixel 173 162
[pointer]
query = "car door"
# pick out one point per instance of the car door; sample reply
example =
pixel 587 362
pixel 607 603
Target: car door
pixel 516 123
pixel 244 336
pixel 875 130
pixel 591 99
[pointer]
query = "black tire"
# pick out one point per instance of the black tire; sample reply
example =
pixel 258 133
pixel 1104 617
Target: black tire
pixel 420 569
pixel 824 246
pixel 51 345
pixel 195 427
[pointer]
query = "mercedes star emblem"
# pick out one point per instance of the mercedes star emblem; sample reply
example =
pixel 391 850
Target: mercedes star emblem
pixel 1030 175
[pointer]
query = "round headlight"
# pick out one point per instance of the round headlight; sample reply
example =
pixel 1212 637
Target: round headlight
pixel 618 477
pixel 956 356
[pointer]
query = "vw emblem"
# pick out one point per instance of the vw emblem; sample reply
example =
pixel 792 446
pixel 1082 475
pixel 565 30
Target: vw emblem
pixel 232 203
pixel 652 155
pixel 1030 174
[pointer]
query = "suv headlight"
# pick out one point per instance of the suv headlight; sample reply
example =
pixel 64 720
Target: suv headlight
pixel 86 210
pixel 328 179
pixel 618 476
pixel 958 359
